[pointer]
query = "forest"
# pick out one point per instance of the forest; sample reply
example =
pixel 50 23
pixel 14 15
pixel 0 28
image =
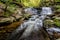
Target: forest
pixel 29 19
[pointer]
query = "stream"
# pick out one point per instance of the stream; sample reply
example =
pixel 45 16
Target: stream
pixel 34 24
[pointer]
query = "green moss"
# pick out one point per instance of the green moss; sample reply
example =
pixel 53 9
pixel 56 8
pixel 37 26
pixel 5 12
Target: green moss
pixel 12 8
pixel 57 22
pixel 31 3
pixel 27 15
pixel 6 14
pixel 48 23
pixel 57 0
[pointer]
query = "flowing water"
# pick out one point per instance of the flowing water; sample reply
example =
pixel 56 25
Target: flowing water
pixel 34 24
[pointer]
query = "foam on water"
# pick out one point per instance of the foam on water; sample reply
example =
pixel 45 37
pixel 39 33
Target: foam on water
pixel 35 23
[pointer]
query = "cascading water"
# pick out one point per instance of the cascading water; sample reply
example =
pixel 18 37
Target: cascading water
pixel 34 24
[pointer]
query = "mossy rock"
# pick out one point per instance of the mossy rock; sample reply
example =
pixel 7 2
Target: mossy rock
pixel 6 30
pixel 57 22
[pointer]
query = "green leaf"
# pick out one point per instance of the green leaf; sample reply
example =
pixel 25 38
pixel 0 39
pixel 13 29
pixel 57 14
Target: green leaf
pixel 31 3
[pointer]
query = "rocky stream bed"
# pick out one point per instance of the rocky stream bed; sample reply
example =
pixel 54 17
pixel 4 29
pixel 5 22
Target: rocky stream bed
pixel 26 20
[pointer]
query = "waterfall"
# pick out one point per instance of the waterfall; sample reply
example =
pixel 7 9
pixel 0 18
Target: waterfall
pixel 34 24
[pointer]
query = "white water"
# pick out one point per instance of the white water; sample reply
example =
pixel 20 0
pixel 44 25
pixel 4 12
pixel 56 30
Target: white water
pixel 35 23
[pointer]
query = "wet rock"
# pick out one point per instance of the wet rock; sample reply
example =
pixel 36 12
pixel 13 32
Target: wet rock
pixel 2 5
pixel 48 23
pixel 30 11
pixel 6 30
pixel 58 39
pixel 1 12
pixel 11 19
pixel 52 25
pixel 18 16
